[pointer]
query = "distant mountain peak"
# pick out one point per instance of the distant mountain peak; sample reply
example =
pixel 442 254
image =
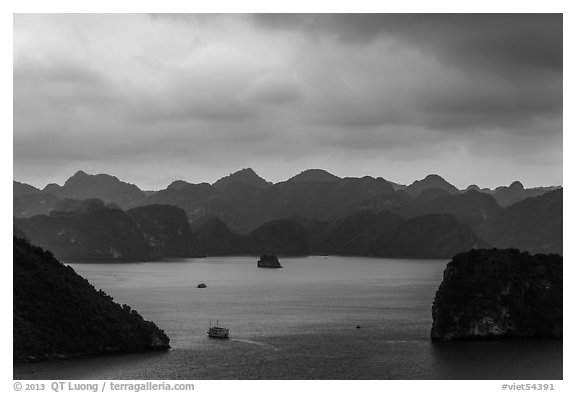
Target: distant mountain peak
pixel 82 176
pixel 23 188
pixel 51 187
pixel 78 176
pixel 516 185
pixel 106 187
pixel 246 176
pixel 515 192
pixel 178 185
pixel 315 175
pixel 473 187
pixel 434 176
pixel 430 181
pixel 246 171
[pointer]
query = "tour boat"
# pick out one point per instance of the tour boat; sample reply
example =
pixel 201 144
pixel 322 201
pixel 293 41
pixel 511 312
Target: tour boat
pixel 217 331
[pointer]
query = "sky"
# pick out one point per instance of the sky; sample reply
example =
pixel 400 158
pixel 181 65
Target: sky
pixel 475 98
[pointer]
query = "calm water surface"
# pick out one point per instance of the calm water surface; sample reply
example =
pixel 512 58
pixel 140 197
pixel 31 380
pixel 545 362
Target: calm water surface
pixel 295 323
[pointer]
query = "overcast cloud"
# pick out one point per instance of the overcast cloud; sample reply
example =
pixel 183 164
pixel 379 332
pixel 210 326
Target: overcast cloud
pixel 154 98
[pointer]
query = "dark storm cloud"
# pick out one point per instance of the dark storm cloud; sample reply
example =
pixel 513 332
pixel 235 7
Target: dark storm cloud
pixel 511 42
pixel 491 102
pixel 203 95
pixel 506 68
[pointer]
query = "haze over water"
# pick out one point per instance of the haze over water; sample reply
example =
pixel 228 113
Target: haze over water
pixel 299 322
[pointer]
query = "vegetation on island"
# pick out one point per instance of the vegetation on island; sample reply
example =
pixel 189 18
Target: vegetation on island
pixel 57 313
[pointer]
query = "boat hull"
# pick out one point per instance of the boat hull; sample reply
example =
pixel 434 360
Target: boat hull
pixel 218 332
pixel 220 337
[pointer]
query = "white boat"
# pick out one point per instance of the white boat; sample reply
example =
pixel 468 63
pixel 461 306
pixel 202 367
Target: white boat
pixel 218 331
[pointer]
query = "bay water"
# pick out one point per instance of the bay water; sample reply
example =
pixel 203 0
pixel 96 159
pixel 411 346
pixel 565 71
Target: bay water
pixel 317 318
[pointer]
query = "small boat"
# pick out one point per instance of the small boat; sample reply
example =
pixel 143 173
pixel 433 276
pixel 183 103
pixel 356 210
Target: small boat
pixel 202 285
pixel 217 331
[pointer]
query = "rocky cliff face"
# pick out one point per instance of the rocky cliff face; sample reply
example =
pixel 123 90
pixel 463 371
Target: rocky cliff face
pixel 57 313
pixel 428 236
pixel 269 261
pixel 92 232
pixel 29 205
pixel 167 230
pixel 282 237
pixel 499 294
pixel 533 225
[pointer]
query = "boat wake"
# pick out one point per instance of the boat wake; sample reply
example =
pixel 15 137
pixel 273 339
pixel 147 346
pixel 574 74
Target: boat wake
pixel 257 344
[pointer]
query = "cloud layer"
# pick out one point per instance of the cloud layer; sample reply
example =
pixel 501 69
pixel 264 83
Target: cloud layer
pixel 150 98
